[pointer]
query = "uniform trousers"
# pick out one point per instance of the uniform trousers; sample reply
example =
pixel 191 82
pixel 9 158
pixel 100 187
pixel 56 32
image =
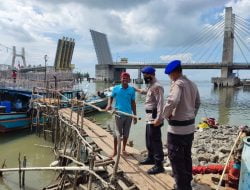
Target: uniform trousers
pixel 154 143
pixel 179 153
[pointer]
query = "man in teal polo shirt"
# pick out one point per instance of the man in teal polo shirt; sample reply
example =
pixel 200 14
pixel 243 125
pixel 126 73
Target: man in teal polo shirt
pixel 124 96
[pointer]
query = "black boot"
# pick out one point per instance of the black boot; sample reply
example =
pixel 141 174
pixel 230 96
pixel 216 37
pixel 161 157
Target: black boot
pixel 147 161
pixel 158 168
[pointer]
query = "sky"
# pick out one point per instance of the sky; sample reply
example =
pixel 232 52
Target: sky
pixel 141 30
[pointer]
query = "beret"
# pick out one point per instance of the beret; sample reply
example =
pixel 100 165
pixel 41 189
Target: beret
pixel 172 66
pixel 148 70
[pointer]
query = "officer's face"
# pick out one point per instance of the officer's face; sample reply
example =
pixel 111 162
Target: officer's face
pixel 174 75
pixel 147 78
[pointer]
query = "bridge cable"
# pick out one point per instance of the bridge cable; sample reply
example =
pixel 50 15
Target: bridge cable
pixel 213 37
pixel 242 23
pixel 242 41
pixel 208 37
pixel 204 36
pixel 241 50
pixel 194 39
pixel 216 47
pixel 7 48
pixel 243 28
pixel 205 39
pixel 243 20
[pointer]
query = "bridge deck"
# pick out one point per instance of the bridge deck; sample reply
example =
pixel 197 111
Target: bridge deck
pixel 129 164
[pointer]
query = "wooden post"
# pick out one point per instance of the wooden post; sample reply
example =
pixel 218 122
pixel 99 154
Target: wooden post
pixel 77 158
pixel 78 112
pixel 113 177
pixel 24 166
pixel 82 115
pixel 19 172
pixel 72 105
pixel 91 166
pixel 44 132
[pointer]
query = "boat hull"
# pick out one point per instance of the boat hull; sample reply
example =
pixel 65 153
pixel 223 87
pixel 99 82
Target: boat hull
pixel 14 121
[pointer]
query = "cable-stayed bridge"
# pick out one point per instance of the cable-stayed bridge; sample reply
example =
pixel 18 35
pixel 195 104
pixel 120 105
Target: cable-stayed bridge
pixel 223 45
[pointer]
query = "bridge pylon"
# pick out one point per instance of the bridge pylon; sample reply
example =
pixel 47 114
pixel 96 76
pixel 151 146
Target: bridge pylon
pixel 22 55
pixel 227 76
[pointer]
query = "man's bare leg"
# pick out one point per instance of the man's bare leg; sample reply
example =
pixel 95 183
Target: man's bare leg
pixel 125 140
pixel 115 148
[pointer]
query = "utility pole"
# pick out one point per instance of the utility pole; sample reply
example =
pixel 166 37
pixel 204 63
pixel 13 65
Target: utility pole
pixel 45 76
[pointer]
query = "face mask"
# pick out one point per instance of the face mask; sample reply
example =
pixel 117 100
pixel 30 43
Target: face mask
pixel 147 79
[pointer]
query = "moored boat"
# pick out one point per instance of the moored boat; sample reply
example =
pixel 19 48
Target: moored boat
pixel 15 112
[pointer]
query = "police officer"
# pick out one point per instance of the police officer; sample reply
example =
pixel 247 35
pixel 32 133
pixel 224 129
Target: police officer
pixel 180 110
pixel 154 111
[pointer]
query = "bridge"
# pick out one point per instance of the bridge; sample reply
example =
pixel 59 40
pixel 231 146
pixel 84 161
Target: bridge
pixel 230 28
pixel 235 66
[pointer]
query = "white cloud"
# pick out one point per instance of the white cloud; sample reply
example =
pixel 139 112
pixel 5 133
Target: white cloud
pixel 185 57
pixel 132 26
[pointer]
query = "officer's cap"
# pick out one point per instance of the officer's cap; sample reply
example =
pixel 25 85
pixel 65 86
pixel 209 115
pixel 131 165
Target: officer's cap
pixel 148 70
pixel 172 66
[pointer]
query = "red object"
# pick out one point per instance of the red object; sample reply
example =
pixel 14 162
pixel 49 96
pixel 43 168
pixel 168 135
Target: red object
pixel 232 170
pixel 125 74
pixel 214 169
pixel 14 74
pixel 233 175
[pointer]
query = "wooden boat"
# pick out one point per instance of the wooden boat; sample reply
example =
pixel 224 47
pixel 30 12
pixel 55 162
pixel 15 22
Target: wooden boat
pixel 14 109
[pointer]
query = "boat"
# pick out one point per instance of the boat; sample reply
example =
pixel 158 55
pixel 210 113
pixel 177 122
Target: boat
pixel 15 113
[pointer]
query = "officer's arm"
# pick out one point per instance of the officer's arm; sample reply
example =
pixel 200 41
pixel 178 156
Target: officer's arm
pixel 172 101
pixel 158 92
pixel 140 90
pixel 197 102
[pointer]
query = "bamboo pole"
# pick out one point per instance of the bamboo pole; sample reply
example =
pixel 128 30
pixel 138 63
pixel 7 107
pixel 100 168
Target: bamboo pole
pixel 19 170
pixel 82 115
pixel 24 166
pixel 91 166
pixel 228 158
pixel 78 113
pixel 66 168
pixel 113 177
pixel 78 158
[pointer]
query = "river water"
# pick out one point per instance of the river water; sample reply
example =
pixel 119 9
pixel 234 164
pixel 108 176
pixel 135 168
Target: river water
pixel 228 106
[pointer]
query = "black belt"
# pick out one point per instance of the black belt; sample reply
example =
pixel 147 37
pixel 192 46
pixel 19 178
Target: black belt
pixel 151 111
pixel 181 123
pixel 154 113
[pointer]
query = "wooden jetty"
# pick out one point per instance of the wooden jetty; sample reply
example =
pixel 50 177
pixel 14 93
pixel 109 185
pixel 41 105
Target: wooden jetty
pixel 81 143
pixel 129 164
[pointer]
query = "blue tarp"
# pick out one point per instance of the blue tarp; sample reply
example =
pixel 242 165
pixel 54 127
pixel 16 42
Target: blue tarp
pixel 7 105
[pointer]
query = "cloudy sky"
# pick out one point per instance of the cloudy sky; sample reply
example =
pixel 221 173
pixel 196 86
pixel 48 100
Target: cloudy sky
pixel 141 30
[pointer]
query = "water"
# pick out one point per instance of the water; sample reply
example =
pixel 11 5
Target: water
pixel 228 106
pixel 24 142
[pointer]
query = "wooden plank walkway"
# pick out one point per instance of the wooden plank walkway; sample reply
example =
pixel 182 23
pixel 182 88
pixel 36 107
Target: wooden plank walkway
pixel 129 164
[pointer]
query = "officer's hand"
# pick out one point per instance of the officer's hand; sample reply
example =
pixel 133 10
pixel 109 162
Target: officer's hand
pixel 157 122
pixel 137 89
pixel 135 121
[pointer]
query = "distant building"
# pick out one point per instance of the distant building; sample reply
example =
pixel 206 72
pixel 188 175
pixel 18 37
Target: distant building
pixel 124 60
pixel 4 67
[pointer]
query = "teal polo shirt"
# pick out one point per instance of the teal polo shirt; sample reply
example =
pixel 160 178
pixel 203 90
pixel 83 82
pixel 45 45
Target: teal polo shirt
pixel 123 98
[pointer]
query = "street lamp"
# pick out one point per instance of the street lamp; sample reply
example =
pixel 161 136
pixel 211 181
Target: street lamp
pixel 45 76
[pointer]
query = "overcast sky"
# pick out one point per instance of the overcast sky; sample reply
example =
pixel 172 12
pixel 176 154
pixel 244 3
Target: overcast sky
pixel 141 30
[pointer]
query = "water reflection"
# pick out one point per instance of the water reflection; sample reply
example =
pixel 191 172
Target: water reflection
pixel 226 98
